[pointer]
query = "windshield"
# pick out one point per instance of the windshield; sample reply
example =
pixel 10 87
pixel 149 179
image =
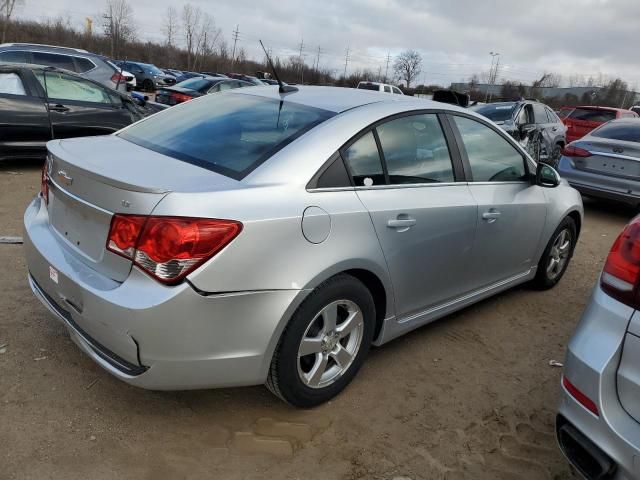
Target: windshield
pixel 197 84
pixel 497 112
pixel 152 69
pixel 231 134
pixel 625 131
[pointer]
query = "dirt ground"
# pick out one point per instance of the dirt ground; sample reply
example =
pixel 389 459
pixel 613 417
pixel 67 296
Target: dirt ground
pixel 470 396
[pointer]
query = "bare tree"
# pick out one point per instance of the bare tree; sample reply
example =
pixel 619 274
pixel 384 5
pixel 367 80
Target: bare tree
pixel 408 65
pixel 208 37
pixel 118 25
pixel 191 28
pixel 7 8
pixel 170 26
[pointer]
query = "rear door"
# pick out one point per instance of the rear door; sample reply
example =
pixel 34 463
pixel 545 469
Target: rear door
pixel 511 210
pixel 79 107
pixel 409 179
pixel 24 124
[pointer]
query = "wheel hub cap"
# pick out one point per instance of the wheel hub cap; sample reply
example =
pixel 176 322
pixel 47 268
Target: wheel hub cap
pixel 329 342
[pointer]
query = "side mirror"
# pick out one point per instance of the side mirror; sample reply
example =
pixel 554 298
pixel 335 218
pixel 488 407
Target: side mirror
pixel 547 176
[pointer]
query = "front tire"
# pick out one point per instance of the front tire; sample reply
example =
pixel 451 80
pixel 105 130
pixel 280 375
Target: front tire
pixel 557 255
pixel 324 344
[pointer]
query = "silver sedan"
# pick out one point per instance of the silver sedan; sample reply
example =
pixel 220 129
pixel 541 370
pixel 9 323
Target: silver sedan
pixel 255 236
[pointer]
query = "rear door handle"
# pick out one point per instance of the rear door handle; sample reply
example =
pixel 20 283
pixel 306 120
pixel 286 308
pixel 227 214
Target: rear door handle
pixel 58 108
pixel 401 224
pixel 491 216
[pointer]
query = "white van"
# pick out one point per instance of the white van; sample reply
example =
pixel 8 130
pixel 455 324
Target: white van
pixel 379 87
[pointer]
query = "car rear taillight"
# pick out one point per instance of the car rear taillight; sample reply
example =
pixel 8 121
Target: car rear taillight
pixel 181 97
pixel 118 77
pixel 582 399
pixel 169 248
pixel 44 182
pixel 621 274
pixel 571 151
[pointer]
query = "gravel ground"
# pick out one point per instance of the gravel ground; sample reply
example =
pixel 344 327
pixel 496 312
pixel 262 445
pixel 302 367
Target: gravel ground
pixel 470 396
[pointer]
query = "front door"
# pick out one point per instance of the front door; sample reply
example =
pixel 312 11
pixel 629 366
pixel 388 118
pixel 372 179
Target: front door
pixel 424 219
pixel 80 107
pixel 511 210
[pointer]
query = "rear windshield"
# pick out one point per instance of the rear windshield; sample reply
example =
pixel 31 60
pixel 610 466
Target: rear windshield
pixel 628 132
pixel 369 86
pixel 498 112
pixel 228 133
pixel 592 115
pixel 197 84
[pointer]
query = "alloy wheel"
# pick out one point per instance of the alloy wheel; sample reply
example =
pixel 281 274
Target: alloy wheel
pixel 559 254
pixel 330 343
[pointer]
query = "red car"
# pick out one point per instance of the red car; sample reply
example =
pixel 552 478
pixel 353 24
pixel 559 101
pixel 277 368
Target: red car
pixel 584 119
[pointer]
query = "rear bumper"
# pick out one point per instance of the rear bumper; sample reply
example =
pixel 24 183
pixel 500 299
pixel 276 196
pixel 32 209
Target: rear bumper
pixel 591 364
pixel 151 335
pixel 600 186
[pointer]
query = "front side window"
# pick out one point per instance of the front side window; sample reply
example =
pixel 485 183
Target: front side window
pixel 229 134
pixel 491 157
pixel 363 160
pixel 540 114
pixel 60 86
pixel 415 150
pixel 397 90
pixel 387 89
pixel 552 117
pixel 54 60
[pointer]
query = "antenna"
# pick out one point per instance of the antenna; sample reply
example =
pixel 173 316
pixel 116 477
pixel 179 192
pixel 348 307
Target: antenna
pixel 283 88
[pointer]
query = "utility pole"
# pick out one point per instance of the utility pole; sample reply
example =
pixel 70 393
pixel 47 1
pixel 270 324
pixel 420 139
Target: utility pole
pixel 346 62
pixel 495 74
pixel 317 66
pixel 89 26
pixel 236 32
pixel 486 93
pixel 301 61
pixel 386 70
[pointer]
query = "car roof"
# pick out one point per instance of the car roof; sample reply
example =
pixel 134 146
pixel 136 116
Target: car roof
pixel 596 107
pixel 39 46
pixel 338 99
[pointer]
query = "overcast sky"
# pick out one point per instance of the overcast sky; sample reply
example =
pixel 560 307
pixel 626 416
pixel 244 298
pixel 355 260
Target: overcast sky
pixel 588 37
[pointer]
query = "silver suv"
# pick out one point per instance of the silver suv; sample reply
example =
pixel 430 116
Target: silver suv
pixel 86 64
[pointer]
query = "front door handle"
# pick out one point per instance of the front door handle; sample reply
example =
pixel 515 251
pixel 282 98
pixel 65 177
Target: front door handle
pixel 58 108
pixel 491 216
pixel 401 224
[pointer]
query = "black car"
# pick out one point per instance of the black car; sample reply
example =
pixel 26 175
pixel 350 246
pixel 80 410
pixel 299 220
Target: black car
pixel 38 104
pixel 196 87
pixel 148 76
pixel 531 123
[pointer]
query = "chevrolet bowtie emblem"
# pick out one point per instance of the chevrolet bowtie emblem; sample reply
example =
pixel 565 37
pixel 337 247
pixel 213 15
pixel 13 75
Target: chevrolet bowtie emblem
pixel 63 177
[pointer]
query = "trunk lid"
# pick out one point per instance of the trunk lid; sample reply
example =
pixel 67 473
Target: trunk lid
pixel 93 178
pixel 613 158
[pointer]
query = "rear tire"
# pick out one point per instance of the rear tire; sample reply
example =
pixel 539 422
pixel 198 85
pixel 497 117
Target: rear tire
pixel 325 343
pixel 557 255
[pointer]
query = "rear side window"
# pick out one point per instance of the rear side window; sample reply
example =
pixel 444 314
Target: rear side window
pixel 13 56
pixel 553 118
pixel 84 65
pixel 628 132
pixel 592 115
pixel 491 157
pixel 231 134
pixel 363 160
pixel 397 90
pixel 11 84
pixel 54 60
pixel 387 89
pixel 415 150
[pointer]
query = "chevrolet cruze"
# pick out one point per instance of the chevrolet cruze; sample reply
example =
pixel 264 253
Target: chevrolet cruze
pixel 266 236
